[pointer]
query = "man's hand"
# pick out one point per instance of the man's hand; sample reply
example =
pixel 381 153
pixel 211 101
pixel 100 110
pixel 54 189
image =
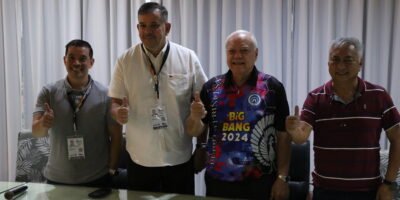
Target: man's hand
pixel 293 121
pixel 47 117
pixel 194 125
pixel 280 190
pixel 384 193
pixel 123 112
pixel 298 130
pixel 197 110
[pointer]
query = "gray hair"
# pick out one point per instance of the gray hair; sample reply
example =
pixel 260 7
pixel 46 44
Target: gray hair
pixel 350 41
pixel 247 33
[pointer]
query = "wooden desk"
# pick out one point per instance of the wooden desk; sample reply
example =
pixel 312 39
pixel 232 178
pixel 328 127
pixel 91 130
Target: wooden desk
pixel 42 191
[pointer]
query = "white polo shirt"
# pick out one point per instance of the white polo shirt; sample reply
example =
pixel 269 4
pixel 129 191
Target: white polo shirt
pixel 179 78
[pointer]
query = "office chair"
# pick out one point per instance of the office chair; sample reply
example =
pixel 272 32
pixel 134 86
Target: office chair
pixel 32 156
pixel 299 171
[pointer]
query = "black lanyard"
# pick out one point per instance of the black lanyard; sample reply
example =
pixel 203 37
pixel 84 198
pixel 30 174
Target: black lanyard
pixel 78 107
pixel 156 76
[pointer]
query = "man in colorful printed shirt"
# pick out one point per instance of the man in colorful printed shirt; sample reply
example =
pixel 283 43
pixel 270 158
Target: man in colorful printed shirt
pixel 347 115
pixel 244 113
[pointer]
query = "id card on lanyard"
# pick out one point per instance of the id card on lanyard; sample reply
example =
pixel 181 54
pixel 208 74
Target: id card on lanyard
pixel 76 147
pixel 158 117
pixel 158 111
pixel 76 142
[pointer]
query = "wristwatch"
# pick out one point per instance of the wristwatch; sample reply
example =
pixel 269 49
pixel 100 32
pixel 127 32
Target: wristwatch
pixel 284 178
pixel 392 184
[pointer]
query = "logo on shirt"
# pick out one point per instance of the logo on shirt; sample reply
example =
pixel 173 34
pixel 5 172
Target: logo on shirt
pixel 263 140
pixel 254 99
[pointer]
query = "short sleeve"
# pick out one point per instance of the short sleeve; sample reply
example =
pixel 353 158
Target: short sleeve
pixel 390 115
pixel 43 97
pixel 282 107
pixel 308 111
pixel 117 86
pixel 199 76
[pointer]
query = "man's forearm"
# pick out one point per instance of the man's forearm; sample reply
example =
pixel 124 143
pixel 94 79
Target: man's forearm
pixel 38 130
pixel 194 127
pixel 394 154
pixel 284 153
pixel 393 164
pixel 114 109
pixel 115 145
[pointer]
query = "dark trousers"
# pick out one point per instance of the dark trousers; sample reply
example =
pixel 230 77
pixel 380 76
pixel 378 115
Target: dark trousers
pixel 102 182
pixel 324 194
pixel 246 189
pixel 169 179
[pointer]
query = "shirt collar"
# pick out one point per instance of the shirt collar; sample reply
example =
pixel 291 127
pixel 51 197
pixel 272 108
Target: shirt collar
pixel 69 87
pixel 328 87
pixel 161 53
pixel 252 80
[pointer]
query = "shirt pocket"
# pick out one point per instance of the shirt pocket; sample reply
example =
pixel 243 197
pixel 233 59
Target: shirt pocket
pixel 179 83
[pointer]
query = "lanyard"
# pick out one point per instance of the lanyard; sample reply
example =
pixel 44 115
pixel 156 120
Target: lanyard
pixel 78 107
pixel 156 76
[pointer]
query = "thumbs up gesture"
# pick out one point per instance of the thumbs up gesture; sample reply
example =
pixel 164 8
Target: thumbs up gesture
pixel 123 112
pixel 48 116
pixel 197 110
pixel 293 121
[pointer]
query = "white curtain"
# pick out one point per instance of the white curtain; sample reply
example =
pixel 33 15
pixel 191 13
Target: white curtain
pixel 293 38
pixel 10 101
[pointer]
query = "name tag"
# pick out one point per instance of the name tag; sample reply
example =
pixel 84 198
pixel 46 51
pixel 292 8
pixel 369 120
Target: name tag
pixel 76 147
pixel 159 117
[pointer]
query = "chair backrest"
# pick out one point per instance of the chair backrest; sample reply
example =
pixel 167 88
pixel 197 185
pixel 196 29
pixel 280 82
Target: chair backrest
pixel 299 171
pixel 32 156
pixel 33 153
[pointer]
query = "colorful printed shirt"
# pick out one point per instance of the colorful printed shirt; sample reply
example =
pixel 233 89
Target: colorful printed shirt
pixel 243 123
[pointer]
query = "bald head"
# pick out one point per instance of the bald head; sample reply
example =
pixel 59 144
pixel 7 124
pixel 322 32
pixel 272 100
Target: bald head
pixel 241 54
pixel 243 34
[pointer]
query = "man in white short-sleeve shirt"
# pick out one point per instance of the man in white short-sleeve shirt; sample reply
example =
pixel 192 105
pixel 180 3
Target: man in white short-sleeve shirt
pixel 151 89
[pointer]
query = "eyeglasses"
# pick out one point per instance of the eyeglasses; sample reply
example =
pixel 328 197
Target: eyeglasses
pixel 345 60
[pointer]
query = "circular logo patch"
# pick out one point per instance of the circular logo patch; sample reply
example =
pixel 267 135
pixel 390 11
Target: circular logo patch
pixel 254 99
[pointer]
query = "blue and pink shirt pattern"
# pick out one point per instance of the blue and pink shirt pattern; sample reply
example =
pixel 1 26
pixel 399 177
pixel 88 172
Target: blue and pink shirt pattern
pixel 243 123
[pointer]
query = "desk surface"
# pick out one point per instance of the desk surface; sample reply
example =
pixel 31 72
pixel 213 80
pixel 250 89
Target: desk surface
pixel 44 191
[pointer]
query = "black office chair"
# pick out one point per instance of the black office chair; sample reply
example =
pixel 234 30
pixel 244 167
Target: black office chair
pixel 299 171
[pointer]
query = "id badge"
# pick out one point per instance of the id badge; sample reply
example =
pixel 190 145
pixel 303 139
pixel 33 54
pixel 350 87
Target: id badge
pixel 76 147
pixel 159 117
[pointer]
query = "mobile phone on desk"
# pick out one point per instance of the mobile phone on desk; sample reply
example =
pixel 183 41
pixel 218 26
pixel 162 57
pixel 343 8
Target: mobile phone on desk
pixel 100 193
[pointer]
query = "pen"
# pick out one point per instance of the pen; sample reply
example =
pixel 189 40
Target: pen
pixel 16 191
pixel 12 188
